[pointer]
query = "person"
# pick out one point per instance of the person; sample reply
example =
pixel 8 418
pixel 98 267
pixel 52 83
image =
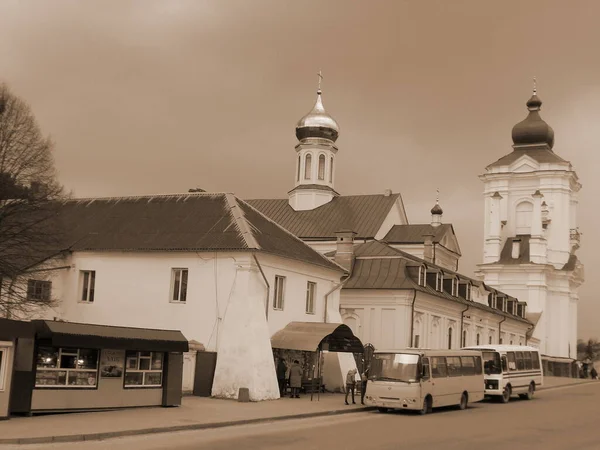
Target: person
pixel 295 379
pixel 350 385
pixel 363 384
pixel 281 372
pixel 594 373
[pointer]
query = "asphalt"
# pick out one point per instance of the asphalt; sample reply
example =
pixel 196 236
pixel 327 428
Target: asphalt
pixel 47 429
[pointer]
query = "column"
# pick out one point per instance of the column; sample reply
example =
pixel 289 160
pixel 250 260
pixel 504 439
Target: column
pixel 537 243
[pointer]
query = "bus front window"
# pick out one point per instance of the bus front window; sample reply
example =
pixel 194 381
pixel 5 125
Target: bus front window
pixel 491 363
pixel 394 367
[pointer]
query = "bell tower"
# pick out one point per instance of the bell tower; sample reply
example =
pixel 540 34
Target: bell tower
pixel 315 158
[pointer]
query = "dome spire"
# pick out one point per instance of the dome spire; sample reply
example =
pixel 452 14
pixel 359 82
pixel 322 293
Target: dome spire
pixel 317 123
pixel 436 211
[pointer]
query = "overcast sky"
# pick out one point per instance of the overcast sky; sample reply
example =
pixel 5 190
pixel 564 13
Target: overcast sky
pixel 147 96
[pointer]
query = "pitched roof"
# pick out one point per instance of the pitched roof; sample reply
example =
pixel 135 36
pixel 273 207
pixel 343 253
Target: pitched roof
pixel 179 222
pixel 363 214
pixel 415 234
pixel 378 269
pixel 541 155
pixel 506 253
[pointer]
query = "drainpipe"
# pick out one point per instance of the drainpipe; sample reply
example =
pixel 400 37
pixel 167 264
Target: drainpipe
pixel 412 318
pixel 335 288
pixel 266 282
pixel 462 322
pixel 500 330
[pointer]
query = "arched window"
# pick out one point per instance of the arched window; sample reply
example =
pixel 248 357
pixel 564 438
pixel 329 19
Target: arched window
pixel 523 218
pixel 450 338
pixel 478 339
pixel 464 338
pixel 422 275
pixel 331 170
pixel 299 164
pixel 321 167
pixel 490 340
pixel 307 166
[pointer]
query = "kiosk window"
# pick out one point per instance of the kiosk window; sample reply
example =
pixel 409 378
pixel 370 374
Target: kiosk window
pixel 143 369
pixel 66 367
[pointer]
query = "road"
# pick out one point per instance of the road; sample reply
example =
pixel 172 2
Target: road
pixel 558 419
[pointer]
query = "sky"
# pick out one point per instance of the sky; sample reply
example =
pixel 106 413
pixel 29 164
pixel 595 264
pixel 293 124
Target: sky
pixel 148 97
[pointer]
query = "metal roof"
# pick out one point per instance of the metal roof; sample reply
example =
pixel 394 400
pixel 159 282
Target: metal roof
pixel 363 214
pixel 70 334
pixel 541 155
pixel 182 222
pixel 307 336
pixel 414 234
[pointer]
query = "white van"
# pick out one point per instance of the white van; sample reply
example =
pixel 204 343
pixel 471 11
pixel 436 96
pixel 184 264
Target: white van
pixel 421 379
pixel 511 369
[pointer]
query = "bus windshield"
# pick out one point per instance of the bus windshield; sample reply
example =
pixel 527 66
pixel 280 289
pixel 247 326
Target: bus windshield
pixel 491 363
pixel 394 367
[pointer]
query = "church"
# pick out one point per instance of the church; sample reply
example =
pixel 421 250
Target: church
pixel 404 288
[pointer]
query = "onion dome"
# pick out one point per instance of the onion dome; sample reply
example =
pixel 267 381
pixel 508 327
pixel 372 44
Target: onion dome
pixel 317 123
pixel 533 130
pixel 437 210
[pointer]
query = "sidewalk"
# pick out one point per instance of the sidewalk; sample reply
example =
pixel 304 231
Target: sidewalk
pixel 195 413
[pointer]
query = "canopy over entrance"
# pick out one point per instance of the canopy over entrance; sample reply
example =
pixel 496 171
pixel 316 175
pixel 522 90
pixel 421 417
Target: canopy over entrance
pixel 311 336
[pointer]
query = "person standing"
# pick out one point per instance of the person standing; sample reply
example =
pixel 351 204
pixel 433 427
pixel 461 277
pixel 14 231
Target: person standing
pixel 295 379
pixel 281 372
pixel 350 385
pixel 363 384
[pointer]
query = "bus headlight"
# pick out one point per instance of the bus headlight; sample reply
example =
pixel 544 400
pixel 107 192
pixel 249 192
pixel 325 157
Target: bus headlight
pixel 409 400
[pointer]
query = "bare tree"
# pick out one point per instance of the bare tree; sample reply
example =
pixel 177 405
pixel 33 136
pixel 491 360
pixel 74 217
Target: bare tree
pixel 29 196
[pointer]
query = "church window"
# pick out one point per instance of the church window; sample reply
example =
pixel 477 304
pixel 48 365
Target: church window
pixel 321 167
pixel 455 286
pixel 450 338
pixel 307 166
pixel 299 164
pixel 440 282
pixel 179 282
pixel 478 339
pixel 331 170
pixel 311 288
pixel 490 340
pixel 417 339
pixel 523 218
pixel 464 338
pixel 468 291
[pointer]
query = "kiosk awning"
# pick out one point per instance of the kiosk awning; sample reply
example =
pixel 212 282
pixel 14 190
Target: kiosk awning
pixel 307 336
pixel 70 334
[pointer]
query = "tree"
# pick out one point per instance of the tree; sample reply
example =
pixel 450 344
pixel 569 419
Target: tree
pixel 29 194
pixel 590 349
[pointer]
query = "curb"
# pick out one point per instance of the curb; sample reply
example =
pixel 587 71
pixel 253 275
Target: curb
pixel 171 429
pixel 549 388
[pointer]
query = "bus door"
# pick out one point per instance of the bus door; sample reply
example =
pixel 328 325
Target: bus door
pixel 426 387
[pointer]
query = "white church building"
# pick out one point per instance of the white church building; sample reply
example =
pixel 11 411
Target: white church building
pixel 531 233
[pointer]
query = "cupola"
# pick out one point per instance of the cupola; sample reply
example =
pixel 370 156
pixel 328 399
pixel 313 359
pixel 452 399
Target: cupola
pixel 533 130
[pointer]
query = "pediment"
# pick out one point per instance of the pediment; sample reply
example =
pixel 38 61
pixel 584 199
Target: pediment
pixel 524 164
pixel 450 241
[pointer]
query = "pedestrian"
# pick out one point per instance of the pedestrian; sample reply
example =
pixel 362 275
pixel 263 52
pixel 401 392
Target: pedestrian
pixel 363 384
pixel 350 384
pixel 281 372
pixel 295 379
pixel 594 373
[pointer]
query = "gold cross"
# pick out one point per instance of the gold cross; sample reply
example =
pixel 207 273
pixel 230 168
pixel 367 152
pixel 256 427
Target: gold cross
pixel 320 78
pixel 534 86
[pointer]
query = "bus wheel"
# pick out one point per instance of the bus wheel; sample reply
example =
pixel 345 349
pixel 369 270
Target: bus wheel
pixel 530 392
pixel 506 394
pixel 382 410
pixel 464 401
pixel 426 406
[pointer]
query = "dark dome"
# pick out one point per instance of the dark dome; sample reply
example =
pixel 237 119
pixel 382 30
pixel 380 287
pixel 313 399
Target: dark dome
pixel 317 123
pixel 533 130
pixel 437 209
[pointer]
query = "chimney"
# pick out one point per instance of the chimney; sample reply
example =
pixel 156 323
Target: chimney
pixel 387 192
pixel 428 248
pixel 344 252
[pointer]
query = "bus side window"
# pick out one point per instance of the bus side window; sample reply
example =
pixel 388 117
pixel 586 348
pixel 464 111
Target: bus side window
pixel 425 372
pixel 527 360
pixel 438 367
pixel 512 364
pixel 478 365
pixel 535 359
pixel 504 364
pixel 520 362
pixel 469 367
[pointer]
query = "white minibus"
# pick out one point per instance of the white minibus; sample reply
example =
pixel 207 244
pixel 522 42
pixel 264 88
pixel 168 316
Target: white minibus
pixel 511 369
pixel 422 379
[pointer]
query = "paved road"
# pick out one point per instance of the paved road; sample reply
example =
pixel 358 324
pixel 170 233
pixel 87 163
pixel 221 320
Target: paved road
pixel 559 419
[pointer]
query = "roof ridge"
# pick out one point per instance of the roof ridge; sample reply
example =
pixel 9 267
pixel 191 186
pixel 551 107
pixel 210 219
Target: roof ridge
pixel 290 234
pixel 241 222
pixel 149 196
